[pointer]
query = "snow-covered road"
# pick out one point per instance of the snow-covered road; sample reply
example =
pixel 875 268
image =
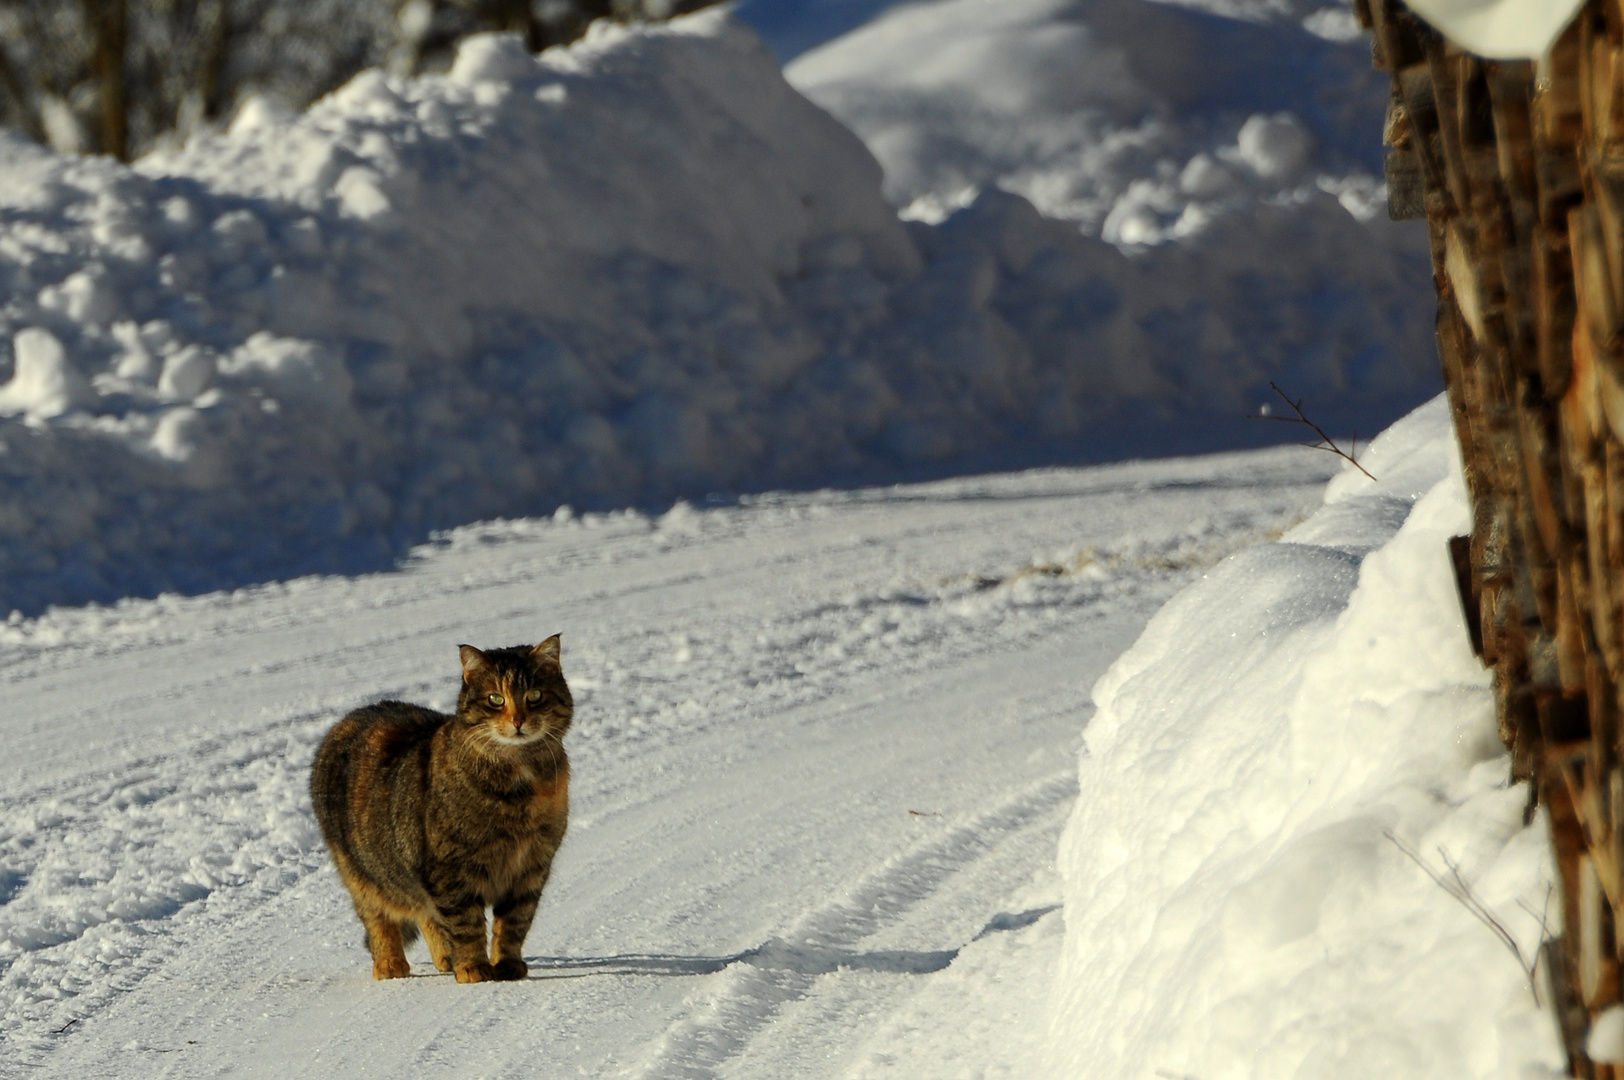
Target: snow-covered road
pixel 823 751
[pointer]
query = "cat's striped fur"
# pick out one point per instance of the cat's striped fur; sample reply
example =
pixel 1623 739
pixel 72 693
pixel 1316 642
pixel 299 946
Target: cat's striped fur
pixel 432 818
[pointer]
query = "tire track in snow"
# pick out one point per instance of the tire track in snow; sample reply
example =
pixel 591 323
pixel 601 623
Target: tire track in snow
pixel 752 988
pixel 106 877
pixel 118 864
pixel 112 868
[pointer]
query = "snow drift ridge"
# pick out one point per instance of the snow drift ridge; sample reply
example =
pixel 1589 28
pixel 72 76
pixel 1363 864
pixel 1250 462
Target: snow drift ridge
pixel 1253 921
pixel 639 267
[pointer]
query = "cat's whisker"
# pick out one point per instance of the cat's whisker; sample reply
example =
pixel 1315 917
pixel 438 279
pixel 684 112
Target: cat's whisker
pixel 550 752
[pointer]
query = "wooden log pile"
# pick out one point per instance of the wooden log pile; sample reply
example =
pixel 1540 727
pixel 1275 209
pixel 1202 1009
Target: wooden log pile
pixel 1518 168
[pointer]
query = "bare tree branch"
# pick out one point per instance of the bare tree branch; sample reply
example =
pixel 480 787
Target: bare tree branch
pixel 1326 442
pixel 1456 886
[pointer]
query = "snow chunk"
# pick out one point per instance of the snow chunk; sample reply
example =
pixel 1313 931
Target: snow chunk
pixel 135 360
pixel 186 374
pixel 258 113
pixel 181 213
pixel 492 58
pixel 175 436
pixel 1334 24
pixel 85 296
pixel 1500 29
pixel 369 94
pixel 1275 147
pixel 297 370
pixel 43 384
pixel 360 193
pixel 1605 1043
pixel 238 232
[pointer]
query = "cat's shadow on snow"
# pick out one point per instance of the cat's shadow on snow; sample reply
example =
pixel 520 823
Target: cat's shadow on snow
pixel 777 955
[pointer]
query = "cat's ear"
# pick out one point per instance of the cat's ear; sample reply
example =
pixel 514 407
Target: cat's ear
pixel 548 651
pixel 472 661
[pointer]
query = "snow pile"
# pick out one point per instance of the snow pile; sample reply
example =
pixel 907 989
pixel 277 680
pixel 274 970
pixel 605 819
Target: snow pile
pixel 1141 121
pixel 637 268
pixel 307 343
pixel 1228 146
pixel 1233 907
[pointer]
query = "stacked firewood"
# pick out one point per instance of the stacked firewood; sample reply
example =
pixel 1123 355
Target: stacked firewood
pixel 1518 168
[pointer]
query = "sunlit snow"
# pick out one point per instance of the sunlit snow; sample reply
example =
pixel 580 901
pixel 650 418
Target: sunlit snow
pixel 638 269
pixel 630 342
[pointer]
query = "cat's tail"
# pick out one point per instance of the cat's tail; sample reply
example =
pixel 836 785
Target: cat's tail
pixel 408 934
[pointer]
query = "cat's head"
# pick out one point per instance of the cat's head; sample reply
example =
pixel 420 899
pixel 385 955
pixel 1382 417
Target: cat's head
pixel 514 697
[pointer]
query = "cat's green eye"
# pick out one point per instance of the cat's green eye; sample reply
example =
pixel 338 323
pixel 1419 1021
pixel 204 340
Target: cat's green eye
pixel 532 696
pixel 497 701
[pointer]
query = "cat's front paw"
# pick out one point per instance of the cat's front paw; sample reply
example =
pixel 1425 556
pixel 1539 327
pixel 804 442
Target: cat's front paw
pixel 478 971
pixel 395 968
pixel 511 969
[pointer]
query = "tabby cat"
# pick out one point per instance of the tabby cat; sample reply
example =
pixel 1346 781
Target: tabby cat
pixel 431 818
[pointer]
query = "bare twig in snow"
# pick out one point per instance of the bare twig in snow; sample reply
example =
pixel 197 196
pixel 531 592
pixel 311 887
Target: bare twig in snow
pixel 1456 886
pixel 1543 914
pixel 1325 441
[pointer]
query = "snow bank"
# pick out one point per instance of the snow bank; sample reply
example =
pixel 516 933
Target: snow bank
pixel 1233 908
pixel 1141 121
pixel 1229 146
pixel 637 268
pixel 306 343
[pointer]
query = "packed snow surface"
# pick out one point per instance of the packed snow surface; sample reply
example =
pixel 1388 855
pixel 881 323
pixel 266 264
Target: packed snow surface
pixel 824 747
pixel 646 267
pixel 1238 901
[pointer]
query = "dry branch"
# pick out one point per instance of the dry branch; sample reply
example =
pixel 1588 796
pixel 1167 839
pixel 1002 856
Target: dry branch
pixel 1325 441
pixel 1456 886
